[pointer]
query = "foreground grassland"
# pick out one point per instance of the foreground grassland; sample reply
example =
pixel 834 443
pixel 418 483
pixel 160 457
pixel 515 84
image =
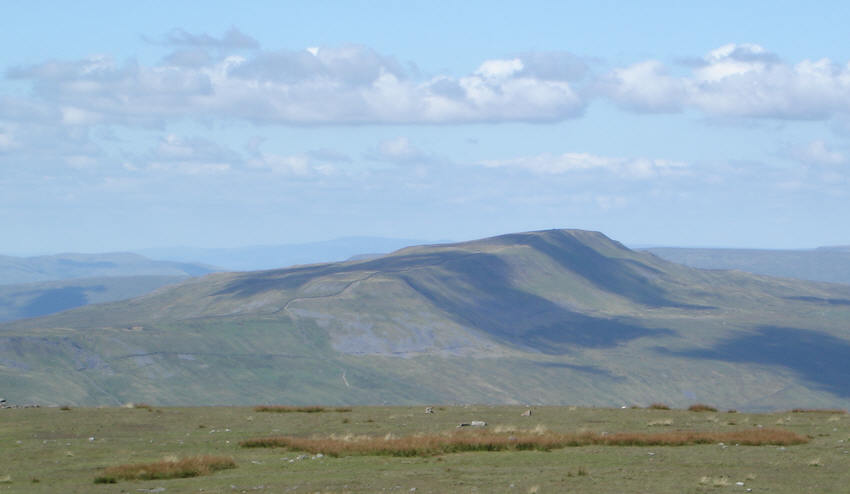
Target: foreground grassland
pixel 54 450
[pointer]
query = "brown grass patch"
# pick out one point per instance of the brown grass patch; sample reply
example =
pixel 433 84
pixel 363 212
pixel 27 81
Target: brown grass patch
pixel 298 409
pixel 701 407
pixel 288 409
pixel 166 469
pixel 436 444
pixel 658 406
pixel 820 410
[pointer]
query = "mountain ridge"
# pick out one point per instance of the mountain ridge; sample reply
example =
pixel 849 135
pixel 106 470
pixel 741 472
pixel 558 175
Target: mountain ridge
pixel 554 316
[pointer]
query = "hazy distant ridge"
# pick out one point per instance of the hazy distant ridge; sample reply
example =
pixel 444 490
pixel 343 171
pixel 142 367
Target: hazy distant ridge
pixel 831 264
pixel 279 256
pixel 15 270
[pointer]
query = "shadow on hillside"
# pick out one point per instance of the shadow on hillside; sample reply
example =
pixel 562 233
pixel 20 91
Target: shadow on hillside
pixel 823 301
pixel 589 369
pixel 816 356
pixel 611 274
pixel 57 300
pixel 476 290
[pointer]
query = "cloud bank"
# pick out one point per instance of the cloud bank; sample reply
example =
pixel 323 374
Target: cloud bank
pixel 735 81
pixel 350 84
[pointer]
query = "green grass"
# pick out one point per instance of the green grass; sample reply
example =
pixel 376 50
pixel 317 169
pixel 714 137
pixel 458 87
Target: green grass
pixel 65 451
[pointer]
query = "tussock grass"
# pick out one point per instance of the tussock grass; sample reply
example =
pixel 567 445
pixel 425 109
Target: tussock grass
pixel 701 407
pixel 836 411
pixel 171 468
pixel 658 406
pixel 288 409
pixel 301 409
pixel 435 444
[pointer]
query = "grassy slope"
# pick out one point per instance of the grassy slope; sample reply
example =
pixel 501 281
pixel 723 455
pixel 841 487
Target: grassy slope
pixel 65 450
pixel 546 317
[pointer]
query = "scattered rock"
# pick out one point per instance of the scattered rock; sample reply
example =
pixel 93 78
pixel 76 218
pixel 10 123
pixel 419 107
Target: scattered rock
pixel 474 423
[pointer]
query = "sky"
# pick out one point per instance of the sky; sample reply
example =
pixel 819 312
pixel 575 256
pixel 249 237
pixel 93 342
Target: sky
pixel 215 124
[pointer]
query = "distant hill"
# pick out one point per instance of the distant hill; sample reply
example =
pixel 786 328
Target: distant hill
pixel 16 270
pixel 40 299
pixel 279 256
pixel 830 264
pixel 557 316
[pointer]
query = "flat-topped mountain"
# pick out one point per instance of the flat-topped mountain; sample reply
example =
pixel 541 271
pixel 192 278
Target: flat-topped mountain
pixel 557 316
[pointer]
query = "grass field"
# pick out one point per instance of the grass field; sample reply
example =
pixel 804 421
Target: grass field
pixel 55 450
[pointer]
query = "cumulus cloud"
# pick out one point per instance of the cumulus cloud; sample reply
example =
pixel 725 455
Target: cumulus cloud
pixel 552 164
pixel 228 77
pixel 646 87
pixel 348 84
pixel 736 81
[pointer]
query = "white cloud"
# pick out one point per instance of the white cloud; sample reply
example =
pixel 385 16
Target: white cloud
pixel 646 87
pixel 550 164
pixel 499 69
pixel 328 85
pixel 736 81
pixel 353 84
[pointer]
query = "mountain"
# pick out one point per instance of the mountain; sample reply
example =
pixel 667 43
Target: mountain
pixel 48 297
pixel 17 270
pixel 276 256
pixel 831 264
pixel 558 317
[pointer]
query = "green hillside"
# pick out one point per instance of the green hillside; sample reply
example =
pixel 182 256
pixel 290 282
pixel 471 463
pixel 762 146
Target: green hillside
pixel 556 317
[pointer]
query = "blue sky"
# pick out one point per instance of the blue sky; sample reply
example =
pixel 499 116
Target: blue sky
pixel 126 126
